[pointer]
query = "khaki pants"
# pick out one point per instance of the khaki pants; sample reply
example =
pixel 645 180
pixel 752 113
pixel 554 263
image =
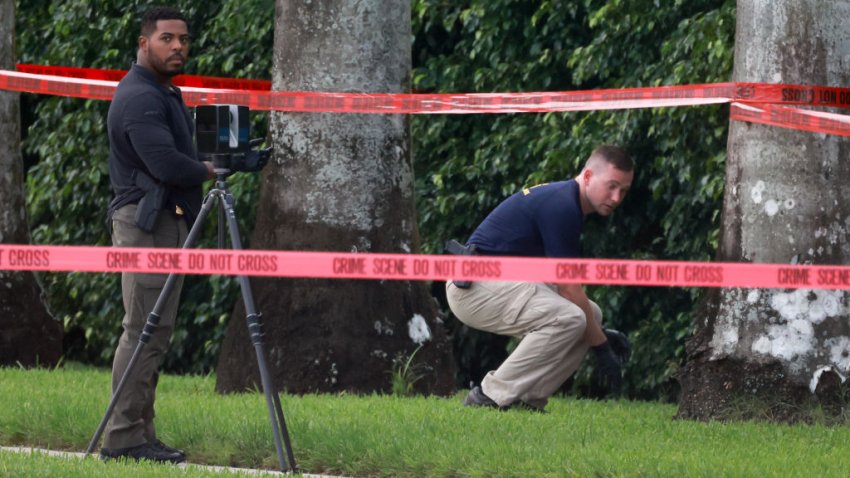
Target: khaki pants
pixel 551 329
pixel 132 421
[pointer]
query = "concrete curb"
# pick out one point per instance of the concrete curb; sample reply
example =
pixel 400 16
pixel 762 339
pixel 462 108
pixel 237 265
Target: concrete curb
pixel 221 469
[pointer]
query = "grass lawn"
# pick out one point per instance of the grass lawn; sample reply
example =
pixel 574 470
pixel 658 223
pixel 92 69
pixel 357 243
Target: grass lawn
pixel 405 437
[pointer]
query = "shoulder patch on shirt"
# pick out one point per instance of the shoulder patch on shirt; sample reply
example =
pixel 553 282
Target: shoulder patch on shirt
pixel 527 191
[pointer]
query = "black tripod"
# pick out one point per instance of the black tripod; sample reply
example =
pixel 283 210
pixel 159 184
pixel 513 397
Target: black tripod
pixel 226 213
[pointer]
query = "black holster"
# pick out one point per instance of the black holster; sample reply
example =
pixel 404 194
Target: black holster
pixel 147 211
pixel 458 249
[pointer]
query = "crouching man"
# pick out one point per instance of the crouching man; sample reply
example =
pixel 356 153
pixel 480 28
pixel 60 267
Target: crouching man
pixel 557 324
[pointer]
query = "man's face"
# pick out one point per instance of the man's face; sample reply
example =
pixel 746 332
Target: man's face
pixel 606 188
pixel 167 48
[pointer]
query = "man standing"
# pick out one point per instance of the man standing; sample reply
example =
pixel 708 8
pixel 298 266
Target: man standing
pixel 156 177
pixel 557 323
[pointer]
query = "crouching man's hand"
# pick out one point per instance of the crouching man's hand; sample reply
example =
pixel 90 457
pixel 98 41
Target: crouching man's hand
pixel 609 372
pixel 619 345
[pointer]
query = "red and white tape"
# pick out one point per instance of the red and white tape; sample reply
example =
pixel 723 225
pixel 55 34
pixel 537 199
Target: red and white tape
pixel 744 92
pixel 421 267
pixel 793 118
pixel 87 85
pixel 116 75
pixel 754 102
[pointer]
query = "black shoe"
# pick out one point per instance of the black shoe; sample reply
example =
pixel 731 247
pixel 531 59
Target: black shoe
pixel 141 452
pixel 169 449
pixel 477 398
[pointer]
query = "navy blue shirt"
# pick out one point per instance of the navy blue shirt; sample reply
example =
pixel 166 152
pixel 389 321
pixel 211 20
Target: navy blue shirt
pixel 541 221
pixel 151 130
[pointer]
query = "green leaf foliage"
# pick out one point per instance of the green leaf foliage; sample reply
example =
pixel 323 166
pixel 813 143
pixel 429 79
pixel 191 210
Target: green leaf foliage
pixel 466 165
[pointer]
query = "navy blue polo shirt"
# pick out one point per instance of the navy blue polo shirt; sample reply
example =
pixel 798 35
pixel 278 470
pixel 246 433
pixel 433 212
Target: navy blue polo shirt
pixel 151 130
pixel 541 221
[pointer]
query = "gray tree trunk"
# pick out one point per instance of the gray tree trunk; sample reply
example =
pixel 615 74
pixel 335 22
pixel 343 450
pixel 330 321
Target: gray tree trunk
pixel 773 353
pixel 28 333
pixel 340 182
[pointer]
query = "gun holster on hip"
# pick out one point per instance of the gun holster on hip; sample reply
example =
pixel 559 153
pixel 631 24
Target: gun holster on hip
pixel 458 249
pixel 151 203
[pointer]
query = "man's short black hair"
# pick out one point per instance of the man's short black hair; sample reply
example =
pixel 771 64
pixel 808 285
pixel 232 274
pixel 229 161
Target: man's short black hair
pixel 153 15
pixel 614 155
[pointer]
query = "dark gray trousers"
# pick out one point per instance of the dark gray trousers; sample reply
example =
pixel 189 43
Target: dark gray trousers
pixel 132 421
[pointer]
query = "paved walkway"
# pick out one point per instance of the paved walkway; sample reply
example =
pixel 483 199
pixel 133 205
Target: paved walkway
pixel 222 469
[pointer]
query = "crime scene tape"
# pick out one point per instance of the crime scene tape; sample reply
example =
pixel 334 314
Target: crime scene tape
pixel 753 102
pixel 116 75
pixel 751 92
pixel 93 84
pixel 391 103
pixel 334 265
pixel 793 118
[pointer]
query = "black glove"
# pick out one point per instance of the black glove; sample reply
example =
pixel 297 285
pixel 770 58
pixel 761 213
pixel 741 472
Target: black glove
pixel 252 161
pixel 608 369
pixel 620 345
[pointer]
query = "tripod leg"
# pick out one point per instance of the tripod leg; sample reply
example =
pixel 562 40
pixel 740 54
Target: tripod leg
pixel 255 329
pixel 286 442
pixel 150 325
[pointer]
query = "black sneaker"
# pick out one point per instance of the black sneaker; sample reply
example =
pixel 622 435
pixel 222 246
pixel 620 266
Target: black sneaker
pixel 141 452
pixel 169 449
pixel 477 398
